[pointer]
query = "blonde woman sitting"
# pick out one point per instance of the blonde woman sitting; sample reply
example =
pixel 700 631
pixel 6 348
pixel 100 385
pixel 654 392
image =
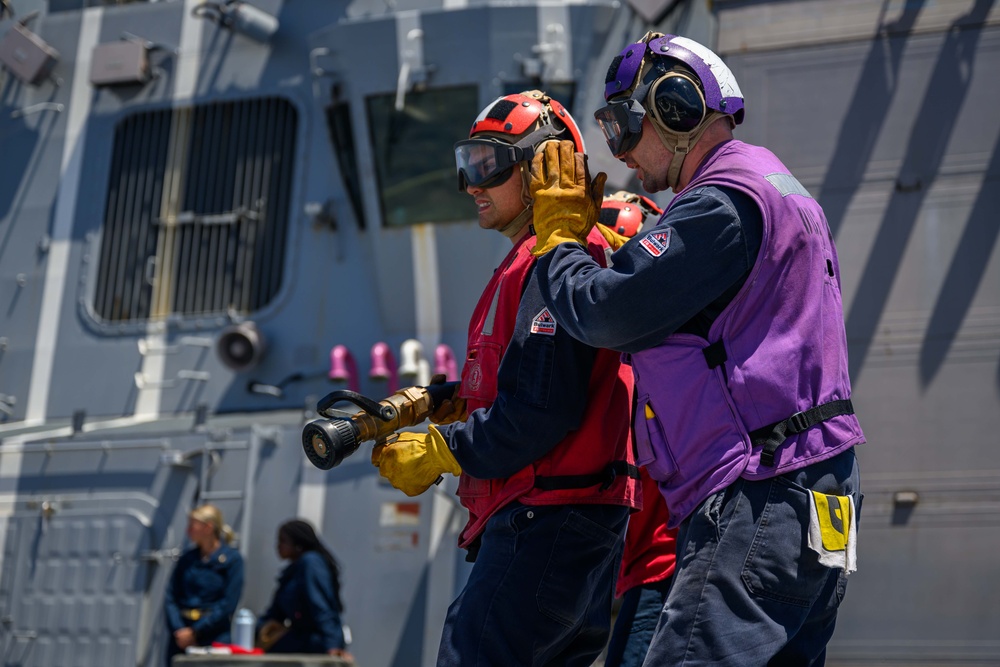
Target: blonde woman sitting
pixel 205 586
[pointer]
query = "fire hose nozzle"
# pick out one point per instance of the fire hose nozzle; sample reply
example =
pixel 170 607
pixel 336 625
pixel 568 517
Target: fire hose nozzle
pixel 327 442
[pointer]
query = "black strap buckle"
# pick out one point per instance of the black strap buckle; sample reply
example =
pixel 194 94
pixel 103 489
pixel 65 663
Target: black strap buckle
pixel 771 437
pixel 715 354
pixel 610 476
pixel 797 423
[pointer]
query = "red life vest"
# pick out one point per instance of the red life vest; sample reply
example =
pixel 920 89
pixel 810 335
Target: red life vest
pixel 603 441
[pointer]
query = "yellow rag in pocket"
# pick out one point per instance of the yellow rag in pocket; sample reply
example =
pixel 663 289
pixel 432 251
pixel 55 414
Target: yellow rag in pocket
pixel 832 532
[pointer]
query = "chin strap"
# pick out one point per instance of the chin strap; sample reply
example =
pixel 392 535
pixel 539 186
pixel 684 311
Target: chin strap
pixel 680 145
pixel 522 218
pixel 517 224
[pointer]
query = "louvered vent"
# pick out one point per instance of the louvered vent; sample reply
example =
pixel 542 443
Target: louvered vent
pixel 197 210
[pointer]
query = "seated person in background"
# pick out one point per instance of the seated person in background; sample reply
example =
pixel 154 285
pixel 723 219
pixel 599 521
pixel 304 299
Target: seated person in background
pixel 304 616
pixel 205 586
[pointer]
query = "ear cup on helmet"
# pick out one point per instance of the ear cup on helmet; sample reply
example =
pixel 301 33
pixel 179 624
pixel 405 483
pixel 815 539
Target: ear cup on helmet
pixel 678 103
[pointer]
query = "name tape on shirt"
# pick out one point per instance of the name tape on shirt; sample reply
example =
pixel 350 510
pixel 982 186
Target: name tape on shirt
pixel 543 323
pixel 656 243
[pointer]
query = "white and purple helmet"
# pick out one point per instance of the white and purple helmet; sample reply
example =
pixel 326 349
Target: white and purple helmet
pixel 677 80
pixel 722 93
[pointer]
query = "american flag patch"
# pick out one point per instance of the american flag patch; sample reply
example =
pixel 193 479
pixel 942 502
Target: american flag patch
pixel 544 323
pixel 656 243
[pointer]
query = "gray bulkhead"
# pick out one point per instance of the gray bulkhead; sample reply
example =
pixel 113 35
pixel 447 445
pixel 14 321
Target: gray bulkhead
pixel 118 413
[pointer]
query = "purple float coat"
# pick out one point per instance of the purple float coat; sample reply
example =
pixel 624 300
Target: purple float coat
pixel 785 345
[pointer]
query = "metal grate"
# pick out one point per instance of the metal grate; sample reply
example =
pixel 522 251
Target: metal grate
pixel 197 210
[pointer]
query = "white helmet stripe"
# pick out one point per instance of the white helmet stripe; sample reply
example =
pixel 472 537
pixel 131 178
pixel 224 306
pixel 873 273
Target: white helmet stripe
pixel 722 73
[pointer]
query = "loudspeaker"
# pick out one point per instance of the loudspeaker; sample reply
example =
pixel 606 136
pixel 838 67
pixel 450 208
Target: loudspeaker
pixel 240 346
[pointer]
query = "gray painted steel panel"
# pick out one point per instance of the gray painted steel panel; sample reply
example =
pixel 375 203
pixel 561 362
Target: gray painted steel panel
pixel 884 110
pixel 77 586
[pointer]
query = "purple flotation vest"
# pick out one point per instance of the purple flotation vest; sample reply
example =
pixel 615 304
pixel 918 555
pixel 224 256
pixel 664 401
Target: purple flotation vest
pixel 769 391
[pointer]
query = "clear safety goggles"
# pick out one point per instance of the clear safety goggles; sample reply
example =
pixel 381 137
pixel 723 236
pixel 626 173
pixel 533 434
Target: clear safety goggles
pixel 486 163
pixel 621 123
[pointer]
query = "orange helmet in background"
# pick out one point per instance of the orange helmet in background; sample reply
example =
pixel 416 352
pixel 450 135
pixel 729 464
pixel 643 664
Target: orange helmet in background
pixel 626 212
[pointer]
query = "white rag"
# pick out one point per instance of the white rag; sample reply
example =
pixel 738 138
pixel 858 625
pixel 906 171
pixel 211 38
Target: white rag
pixel 832 532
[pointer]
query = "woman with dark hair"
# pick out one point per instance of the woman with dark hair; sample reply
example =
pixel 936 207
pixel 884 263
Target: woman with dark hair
pixel 304 616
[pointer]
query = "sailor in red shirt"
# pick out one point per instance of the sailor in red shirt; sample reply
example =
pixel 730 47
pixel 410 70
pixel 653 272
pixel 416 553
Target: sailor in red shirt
pixel 650 548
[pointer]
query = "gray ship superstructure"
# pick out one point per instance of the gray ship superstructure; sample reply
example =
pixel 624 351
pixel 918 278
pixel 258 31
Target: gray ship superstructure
pixel 213 214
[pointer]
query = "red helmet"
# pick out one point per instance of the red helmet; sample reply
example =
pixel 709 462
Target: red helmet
pixel 626 212
pixel 507 132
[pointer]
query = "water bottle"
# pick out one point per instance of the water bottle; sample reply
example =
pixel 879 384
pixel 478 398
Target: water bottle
pixel 244 630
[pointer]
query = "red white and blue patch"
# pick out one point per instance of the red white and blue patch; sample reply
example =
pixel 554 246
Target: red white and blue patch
pixel 544 323
pixel 475 376
pixel 656 243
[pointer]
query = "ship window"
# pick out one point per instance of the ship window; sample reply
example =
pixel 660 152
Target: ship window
pixel 338 118
pixel 197 210
pixel 415 157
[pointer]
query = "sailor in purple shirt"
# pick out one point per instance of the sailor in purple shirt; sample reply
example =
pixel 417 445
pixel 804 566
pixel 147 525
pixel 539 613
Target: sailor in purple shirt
pixel 729 310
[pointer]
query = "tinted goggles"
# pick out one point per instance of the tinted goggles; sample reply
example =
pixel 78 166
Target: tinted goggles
pixel 621 122
pixel 486 163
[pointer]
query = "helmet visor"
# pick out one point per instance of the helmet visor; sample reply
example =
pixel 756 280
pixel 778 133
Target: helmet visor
pixel 621 122
pixel 485 163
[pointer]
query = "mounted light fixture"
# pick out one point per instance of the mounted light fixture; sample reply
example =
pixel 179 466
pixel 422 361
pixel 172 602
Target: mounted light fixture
pixel 240 17
pixel 26 55
pixel 123 62
pixel 119 63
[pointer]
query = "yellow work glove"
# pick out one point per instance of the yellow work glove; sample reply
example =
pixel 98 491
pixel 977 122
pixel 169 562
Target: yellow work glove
pixel 415 461
pixel 614 239
pixel 567 204
pixel 450 410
